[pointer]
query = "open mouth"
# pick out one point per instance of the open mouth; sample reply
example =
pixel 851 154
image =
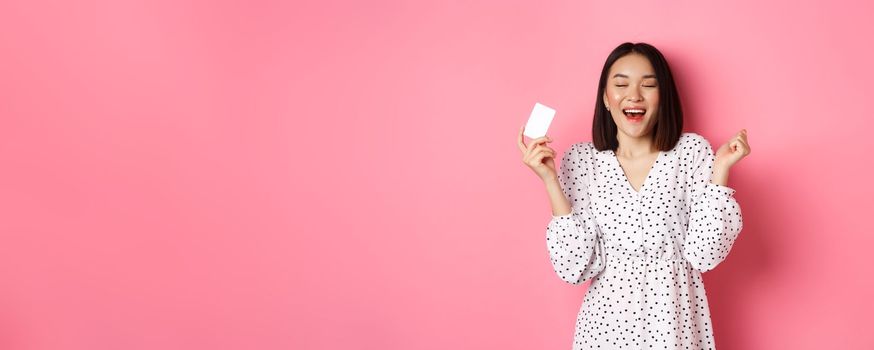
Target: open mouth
pixel 634 114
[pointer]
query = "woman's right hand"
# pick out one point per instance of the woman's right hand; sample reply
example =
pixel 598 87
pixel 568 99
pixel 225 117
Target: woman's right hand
pixel 538 156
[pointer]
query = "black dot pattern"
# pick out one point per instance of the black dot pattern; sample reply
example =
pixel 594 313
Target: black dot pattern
pixel 644 250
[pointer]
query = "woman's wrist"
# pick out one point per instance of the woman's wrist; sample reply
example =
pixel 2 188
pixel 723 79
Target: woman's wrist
pixel 720 175
pixel 557 200
pixel 551 181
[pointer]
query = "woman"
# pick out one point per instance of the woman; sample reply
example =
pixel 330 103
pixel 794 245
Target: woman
pixel 642 211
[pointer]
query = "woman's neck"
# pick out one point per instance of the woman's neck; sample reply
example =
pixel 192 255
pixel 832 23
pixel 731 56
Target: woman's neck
pixel 634 147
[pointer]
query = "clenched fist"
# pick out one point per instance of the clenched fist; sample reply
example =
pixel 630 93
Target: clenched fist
pixel 732 151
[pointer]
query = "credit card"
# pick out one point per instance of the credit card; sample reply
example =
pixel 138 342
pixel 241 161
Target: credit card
pixel 538 122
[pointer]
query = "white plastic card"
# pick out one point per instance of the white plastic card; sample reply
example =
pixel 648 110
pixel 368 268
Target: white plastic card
pixel 539 121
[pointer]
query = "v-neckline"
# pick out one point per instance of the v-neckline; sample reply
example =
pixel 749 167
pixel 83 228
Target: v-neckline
pixel 649 173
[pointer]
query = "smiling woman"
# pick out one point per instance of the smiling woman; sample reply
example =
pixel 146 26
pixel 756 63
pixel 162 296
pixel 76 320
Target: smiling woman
pixel 640 211
pixel 636 78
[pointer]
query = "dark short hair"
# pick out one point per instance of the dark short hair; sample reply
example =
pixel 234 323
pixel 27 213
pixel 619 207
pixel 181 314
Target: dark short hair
pixel 669 122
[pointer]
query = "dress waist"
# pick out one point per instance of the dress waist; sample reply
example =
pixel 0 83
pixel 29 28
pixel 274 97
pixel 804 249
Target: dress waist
pixel 622 254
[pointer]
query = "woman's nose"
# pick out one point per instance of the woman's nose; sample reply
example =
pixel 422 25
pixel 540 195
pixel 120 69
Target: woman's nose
pixel 634 95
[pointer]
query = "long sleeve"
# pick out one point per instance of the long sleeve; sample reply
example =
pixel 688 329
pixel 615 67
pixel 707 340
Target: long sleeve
pixel 714 216
pixel 573 240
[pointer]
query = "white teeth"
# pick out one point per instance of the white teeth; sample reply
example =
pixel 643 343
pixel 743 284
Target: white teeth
pixel 633 110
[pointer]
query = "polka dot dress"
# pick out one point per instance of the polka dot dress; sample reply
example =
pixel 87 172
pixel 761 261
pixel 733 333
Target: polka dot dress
pixel 643 250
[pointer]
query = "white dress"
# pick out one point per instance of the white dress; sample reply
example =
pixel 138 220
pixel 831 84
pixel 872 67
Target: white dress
pixel 644 251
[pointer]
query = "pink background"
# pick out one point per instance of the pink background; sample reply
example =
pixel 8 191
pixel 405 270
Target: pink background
pixel 344 175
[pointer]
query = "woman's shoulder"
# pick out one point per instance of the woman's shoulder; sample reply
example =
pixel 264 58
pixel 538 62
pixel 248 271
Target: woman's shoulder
pixel 688 136
pixel 691 142
pixel 582 146
pixel 583 149
pixel 578 153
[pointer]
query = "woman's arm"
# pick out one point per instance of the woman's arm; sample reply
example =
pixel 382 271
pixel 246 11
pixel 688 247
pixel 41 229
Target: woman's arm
pixel 715 218
pixel 572 235
pixel 557 199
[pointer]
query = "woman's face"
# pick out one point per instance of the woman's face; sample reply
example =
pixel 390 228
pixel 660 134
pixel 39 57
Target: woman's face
pixel 631 84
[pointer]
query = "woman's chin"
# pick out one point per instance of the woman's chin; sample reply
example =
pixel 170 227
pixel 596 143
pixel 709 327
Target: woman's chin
pixel 636 130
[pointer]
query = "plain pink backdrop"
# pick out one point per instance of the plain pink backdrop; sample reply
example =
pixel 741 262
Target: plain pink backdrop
pixel 344 175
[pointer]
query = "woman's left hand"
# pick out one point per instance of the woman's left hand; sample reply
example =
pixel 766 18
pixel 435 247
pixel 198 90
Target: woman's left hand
pixel 732 151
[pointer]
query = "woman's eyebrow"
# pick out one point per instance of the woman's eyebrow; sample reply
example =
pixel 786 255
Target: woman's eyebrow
pixel 620 75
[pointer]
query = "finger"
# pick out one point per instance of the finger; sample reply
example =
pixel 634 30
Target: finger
pixel 740 147
pixel 540 148
pixel 746 146
pixel 537 160
pixel 733 145
pixel 543 146
pixel 537 142
pixel 521 140
pixel 742 150
pixel 537 157
pixel 548 151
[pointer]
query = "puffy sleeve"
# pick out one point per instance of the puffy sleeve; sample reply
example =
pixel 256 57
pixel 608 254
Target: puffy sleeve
pixel 573 240
pixel 714 216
